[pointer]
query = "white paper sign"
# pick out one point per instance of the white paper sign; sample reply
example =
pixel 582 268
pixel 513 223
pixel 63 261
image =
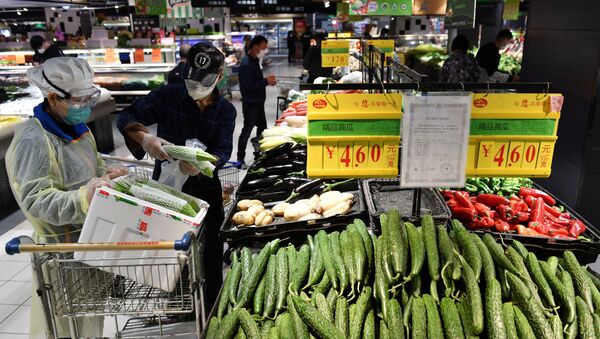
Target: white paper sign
pixel 435 138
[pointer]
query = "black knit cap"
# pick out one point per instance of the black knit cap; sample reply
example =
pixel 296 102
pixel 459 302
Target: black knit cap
pixel 204 63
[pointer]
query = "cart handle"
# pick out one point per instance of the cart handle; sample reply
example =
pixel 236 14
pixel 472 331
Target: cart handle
pixel 14 246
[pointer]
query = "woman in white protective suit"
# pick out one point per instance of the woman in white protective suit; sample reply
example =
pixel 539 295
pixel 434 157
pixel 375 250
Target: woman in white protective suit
pixel 54 168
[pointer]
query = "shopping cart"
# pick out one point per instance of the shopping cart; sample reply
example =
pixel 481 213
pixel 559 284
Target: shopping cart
pixel 142 168
pixel 76 289
pixel 230 176
pixel 285 85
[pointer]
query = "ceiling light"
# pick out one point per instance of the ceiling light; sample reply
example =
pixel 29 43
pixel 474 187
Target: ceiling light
pixel 25 9
pixel 117 6
pixel 326 4
pixel 85 7
pixel 18 12
pixel 66 7
pixel 53 8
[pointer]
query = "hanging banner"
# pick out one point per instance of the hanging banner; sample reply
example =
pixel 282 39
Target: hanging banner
pixel 335 53
pixel 460 14
pixel 150 7
pixel 435 139
pixel 429 7
pixel 380 7
pixel 211 3
pixel 179 9
pixel 511 10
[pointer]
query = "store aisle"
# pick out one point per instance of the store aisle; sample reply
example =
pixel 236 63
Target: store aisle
pixel 16 277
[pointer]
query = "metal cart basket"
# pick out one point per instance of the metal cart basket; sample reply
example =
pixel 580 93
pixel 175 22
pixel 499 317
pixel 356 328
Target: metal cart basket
pixel 230 181
pixel 75 289
pixel 285 85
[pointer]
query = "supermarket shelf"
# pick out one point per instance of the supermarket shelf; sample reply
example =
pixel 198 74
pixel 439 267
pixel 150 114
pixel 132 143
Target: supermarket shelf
pixel 89 51
pixel 104 68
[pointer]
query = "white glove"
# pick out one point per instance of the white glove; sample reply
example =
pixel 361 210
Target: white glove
pixel 115 171
pixel 188 169
pixel 94 183
pixel 153 146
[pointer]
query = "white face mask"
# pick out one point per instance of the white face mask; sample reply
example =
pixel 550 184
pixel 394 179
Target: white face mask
pixel 262 53
pixel 41 50
pixel 197 91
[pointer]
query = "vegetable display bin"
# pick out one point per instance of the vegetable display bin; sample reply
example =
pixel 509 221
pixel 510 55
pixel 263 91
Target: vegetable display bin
pixel 586 251
pixel 382 195
pixel 253 235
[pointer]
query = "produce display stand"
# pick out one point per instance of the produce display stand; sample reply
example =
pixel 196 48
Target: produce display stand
pixel 71 289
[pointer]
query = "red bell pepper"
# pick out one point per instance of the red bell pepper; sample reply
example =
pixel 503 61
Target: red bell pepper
pixel 540 227
pixel 448 194
pixel 452 203
pixel 524 191
pixel 482 223
pixel 522 217
pixel 537 211
pixel 463 200
pixel 522 230
pixel 557 231
pixel 552 210
pixel 505 212
pixel 482 210
pixel 464 213
pixel 529 200
pixel 559 220
pixel 492 200
pixel 519 206
pixel 576 228
pixel 501 226
pixel 566 215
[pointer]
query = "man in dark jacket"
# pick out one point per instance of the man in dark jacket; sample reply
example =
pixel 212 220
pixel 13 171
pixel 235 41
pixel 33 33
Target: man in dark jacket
pixel 44 50
pixel 253 87
pixel 488 57
pixel 191 110
pixel 174 76
pixel 312 60
pixel 291 45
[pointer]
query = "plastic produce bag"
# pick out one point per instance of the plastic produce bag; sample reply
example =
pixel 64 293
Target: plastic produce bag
pixel 172 176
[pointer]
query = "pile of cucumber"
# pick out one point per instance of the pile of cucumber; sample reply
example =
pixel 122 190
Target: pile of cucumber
pixel 419 282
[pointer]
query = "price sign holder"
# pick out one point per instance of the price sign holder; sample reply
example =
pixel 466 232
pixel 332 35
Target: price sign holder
pixel 385 46
pixel 335 53
pixel 513 134
pixel 353 135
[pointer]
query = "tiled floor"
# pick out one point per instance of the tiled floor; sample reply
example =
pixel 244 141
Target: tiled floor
pixel 16 272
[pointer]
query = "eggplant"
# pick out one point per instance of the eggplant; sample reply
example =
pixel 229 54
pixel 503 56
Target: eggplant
pixel 273 170
pixel 287 184
pixel 280 160
pixel 277 151
pixel 263 196
pixel 306 190
pixel 260 183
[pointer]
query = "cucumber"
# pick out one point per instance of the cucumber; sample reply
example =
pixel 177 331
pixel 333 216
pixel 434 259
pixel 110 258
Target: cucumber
pixel 430 241
pixel 532 310
pixel 331 300
pixel 394 240
pixel 524 329
pixel 300 270
pixel 323 306
pixel 383 331
pixel 248 324
pixel 358 249
pixel 581 284
pixel 386 262
pixel 569 288
pixel 519 263
pixel 224 296
pixel 300 329
pixel 593 289
pixel 285 326
pixel 566 302
pixel 270 287
pixel 493 310
pixel 434 323
pixel 474 305
pixel 417 249
pixel 369 249
pixel 259 296
pixel 408 312
pixel 557 327
pixel 369 327
pixel 338 263
pixel 240 334
pixel 342 318
pixel 311 243
pixel 415 286
pixel 584 319
pixel 317 323
pixel 394 319
pixel 501 274
pixel 362 308
pixel 246 260
pixel 470 252
pixel 533 266
pixel 381 287
pixel 325 248
pixel 273 333
pixel 571 330
pixel 323 286
pixel 317 267
pixel 266 326
pixel 258 270
pixel 489 270
pixel 229 325
pixel 498 254
pixel 451 318
pixel 553 263
pixel 419 319
pixel 213 328
pixel 281 279
pixel 446 250
pixel 596 323
pixel 595 279
pixel 519 248
pixel 465 318
pixel 348 258
pixel 508 317
pixel 236 274
pixel 292 256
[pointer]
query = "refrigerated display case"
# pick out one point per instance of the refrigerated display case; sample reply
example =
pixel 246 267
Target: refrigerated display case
pixel 275 30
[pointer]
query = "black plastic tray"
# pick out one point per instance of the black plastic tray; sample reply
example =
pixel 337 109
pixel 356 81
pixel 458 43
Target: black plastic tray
pixel 252 236
pixel 585 251
pixel 382 195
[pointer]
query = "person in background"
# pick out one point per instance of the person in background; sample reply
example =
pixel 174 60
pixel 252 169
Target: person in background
pixel 306 39
pixel 174 76
pixel 460 66
pixel 253 87
pixel 488 58
pixel 291 45
pixel 44 50
pixel 194 109
pixel 247 41
pixel 385 32
pixel 367 31
pixel 312 60
pixel 54 168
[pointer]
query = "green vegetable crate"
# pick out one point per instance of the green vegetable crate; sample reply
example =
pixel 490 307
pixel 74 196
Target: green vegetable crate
pixel 417 280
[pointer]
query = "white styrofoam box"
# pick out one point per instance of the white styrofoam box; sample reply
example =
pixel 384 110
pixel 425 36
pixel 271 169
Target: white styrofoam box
pixel 117 217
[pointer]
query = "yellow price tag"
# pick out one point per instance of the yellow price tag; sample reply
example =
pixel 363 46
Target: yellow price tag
pixel 335 53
